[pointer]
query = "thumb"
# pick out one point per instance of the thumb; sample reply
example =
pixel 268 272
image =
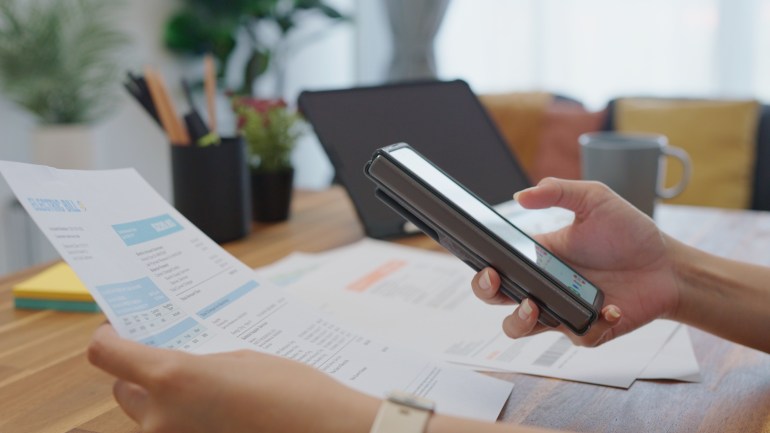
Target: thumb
pixel 578 196
pixel 603 330
pixel 125 359
pixel 132 398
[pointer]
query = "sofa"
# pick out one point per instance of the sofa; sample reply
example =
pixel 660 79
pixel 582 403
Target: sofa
pixel 728 140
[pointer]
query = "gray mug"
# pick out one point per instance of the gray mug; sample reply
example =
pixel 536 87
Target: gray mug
pixel 633 165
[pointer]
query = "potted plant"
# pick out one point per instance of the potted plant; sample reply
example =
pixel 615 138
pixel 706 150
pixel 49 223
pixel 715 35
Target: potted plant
pixel 268 28
pixel 271 130
pixel 58 61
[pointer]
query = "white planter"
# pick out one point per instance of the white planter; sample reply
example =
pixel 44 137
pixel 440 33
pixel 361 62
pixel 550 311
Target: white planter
pixel 64 146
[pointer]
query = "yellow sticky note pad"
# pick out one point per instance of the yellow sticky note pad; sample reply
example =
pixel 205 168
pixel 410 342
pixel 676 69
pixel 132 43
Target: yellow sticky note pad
pixel 59 282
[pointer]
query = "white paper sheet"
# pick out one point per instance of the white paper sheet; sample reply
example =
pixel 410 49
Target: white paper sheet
pixel 676 360
pixel 422 299
pixel 162 282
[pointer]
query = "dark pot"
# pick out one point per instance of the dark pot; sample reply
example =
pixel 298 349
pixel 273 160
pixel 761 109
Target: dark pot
pixel 271 195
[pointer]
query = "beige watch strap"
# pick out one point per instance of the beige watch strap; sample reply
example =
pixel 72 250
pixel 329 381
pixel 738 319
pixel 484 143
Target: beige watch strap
pixel 402 413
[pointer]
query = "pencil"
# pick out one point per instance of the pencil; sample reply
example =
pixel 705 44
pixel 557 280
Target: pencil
pixel 165 107
pixel 210 87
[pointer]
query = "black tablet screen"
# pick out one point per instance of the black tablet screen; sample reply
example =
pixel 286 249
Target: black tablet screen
pixel 442 120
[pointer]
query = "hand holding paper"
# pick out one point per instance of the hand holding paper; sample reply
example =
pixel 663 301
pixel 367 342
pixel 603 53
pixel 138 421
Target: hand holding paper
pixel 155 390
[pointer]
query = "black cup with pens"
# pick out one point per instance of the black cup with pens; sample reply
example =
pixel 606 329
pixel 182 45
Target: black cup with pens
pixel 212 189
pixel 210 174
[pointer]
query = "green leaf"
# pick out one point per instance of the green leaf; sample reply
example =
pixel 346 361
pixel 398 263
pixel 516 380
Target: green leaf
pixel 319 5
pixel 184 33
pixel 187 33
pixel 285 23
pixel 257 65
pixel 262 8
pixel 332 13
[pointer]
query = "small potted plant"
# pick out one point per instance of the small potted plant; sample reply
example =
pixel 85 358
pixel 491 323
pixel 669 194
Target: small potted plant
pixel 59 60
pixel 271 130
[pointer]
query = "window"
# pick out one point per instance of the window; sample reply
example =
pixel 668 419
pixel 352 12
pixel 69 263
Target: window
pixel 595 50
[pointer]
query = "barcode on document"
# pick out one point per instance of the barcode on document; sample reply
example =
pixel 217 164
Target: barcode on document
pixel 556 351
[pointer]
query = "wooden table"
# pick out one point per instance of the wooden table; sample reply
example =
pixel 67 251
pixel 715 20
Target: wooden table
pixel 46 384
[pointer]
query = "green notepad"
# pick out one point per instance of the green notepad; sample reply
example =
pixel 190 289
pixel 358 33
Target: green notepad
pixel 52 304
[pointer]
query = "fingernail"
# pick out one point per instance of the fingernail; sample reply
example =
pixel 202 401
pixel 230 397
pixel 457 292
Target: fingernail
pixel 525 310
pixel 484 282
pixel 613 313
pixel 518 193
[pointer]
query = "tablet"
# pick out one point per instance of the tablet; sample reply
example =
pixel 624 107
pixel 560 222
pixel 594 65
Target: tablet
pixel 442 119
pixel 464 224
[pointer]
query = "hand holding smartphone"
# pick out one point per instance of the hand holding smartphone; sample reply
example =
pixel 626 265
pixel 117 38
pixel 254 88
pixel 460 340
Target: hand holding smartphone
pixel 469 228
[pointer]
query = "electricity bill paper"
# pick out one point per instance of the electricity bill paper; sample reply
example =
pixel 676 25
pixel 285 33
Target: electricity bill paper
pixel 162 282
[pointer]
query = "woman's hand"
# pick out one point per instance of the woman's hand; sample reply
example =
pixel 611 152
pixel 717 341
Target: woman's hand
pixel 171 391
pixel 613 245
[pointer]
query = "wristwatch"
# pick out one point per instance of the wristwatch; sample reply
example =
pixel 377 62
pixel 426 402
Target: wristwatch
pixel 402 413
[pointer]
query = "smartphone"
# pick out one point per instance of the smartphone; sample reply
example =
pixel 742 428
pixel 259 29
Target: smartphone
pixel 474 232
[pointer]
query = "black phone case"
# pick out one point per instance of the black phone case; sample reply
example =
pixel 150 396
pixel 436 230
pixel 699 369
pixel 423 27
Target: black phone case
pixel 474 245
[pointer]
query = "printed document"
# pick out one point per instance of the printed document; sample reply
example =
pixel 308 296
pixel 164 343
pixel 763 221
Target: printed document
pixel 423 299
pixel 162 282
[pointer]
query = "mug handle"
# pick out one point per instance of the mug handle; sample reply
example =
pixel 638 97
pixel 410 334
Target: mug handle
pixel 684 159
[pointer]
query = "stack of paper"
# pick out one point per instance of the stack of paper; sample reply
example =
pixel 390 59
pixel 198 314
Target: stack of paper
pixel 56 288
pixel 423 299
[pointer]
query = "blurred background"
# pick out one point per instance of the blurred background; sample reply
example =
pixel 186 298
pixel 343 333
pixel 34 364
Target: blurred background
pixel 589 50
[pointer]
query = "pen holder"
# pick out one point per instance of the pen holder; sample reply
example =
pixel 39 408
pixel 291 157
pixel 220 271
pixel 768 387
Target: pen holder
pixel 212 189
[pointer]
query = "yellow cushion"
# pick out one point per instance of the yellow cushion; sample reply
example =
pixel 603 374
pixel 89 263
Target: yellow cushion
pixel 719 135
pixel 519 118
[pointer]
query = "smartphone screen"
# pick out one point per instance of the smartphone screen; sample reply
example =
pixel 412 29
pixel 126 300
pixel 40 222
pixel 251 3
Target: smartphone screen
pixel 492 221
